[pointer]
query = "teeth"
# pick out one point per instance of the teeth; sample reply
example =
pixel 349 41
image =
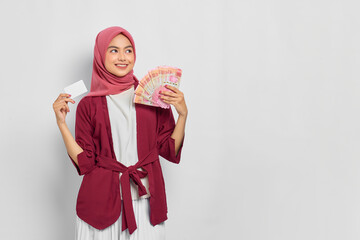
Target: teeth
pixel 121 65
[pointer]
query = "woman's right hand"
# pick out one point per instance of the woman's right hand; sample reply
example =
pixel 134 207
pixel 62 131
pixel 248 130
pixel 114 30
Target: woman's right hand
pixel 61 107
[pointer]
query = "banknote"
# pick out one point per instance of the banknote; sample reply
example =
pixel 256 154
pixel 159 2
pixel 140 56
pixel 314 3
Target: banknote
pixel 147 92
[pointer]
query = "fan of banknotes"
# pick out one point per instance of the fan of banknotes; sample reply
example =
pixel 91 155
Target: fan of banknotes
pixel 147 92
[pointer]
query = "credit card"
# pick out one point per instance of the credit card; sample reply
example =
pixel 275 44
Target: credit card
pixel 76 89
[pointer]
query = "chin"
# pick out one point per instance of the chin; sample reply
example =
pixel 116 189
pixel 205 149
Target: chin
pixel 120 74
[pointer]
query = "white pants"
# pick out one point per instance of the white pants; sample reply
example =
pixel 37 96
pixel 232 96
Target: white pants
pixel 145 230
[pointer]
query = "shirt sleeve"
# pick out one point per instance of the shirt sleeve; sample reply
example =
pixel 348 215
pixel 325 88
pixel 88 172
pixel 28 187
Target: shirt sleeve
pixel 166 144
pixel 83 136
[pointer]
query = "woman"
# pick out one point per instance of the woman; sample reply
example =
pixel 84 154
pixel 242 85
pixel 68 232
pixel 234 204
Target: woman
pixel 117 146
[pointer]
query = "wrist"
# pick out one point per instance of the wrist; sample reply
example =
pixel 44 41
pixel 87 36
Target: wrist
pixel 183 115
pixel 61 124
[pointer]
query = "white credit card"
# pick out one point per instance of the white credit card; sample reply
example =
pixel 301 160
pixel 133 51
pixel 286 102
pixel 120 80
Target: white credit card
pixel 76 89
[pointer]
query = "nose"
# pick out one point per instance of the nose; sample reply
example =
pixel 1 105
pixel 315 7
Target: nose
pixel 121 56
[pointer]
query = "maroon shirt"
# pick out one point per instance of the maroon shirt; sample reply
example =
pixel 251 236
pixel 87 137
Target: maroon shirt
pixel 98 201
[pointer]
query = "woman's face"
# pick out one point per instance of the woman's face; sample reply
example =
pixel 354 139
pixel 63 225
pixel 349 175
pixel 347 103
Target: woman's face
pixel 119 57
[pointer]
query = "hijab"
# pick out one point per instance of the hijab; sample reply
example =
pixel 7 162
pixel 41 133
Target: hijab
pixel 102 81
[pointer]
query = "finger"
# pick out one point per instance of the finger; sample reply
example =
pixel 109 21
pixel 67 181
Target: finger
pixel 61 109
pixel 60 100
pixel 65 108
pixel 58 106
pixel 62 95
pixel 165 101
pixel 164 98
pixel 171 98
pixel 172 88
pixel 168 93
pixel 67 100
pixel 170 102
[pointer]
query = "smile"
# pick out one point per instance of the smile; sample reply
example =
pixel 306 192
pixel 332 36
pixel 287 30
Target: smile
pixel 121 66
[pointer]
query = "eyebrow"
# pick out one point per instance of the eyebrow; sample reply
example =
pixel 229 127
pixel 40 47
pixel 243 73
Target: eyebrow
pixel 118 48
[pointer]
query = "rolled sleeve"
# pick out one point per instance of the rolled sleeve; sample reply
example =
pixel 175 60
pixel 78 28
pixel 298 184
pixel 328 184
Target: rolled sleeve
pixel 84 137
pixel 165 143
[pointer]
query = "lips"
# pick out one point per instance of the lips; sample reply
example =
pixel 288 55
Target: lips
pixel 121 66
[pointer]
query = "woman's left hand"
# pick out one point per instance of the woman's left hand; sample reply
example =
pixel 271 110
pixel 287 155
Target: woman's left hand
pixel 176 98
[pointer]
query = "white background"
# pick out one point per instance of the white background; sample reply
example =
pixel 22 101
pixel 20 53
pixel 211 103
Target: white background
pixel 271 148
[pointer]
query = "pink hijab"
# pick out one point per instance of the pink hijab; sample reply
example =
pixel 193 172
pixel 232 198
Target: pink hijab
pixel 102 81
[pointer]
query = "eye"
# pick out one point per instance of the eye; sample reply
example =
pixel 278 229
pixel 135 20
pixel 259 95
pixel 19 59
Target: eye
pixel 129 51
pixel 113 50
